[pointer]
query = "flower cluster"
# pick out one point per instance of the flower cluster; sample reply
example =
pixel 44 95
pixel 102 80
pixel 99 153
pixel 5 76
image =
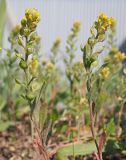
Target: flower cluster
pixel 26 32
pixel 105 72
pixel 115 56
pixel 32 15
pixel 50 66
pixel 83 101
pixel 57 42
pixel 30 21
pixel 56 45
pixel 119 57
pixel 76 26
pixel 98 34
pixel 103 23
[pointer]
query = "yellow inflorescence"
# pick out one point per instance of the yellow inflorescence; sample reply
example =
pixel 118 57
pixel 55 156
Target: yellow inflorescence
pixel 112 22
pixel 119 57
pixel 83 101
pixel 50 66
pixel 31 19
pixel 77 25
pixel 57 42
pixel 105 73
pixel 104 22
pixel 32 15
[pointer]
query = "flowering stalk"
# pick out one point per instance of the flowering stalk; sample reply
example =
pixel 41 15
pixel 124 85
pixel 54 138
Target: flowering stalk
pixel 29 43
pixel 70 50
pixel 90 55
pixel 28 40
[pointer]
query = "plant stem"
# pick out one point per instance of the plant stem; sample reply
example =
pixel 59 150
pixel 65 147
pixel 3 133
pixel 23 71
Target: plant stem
pixel 93 130
pixel 90 101
pixel 119 119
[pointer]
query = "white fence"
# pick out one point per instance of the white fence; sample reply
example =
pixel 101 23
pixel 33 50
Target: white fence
pixel 58 15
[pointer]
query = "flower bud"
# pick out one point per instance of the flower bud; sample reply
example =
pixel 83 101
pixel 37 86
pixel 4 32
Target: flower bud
pixel 30 96
pixel 20 41
pixel 24 21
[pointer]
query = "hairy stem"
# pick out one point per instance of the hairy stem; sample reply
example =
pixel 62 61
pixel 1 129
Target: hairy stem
pixel 90 101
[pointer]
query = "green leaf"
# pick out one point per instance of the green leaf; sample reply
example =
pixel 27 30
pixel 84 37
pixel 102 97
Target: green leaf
pixel 5 125
pixel 33 105
pixel 112 146
pixel 21 111
pixel 75 149
pixel 110 127
pixel 60 97
pixel 43 114
pixel 2 18
pixel 87 49
pixel 2 103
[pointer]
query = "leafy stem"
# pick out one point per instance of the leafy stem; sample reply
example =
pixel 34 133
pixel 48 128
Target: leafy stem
pixel 91 112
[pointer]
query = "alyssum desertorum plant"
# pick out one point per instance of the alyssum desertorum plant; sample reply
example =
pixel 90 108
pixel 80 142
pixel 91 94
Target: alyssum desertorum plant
pixel 71 48
pixel 90 60
pixel 34 78
pixel 27 55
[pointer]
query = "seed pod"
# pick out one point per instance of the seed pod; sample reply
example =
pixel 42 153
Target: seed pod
pixel 30 96
pixel 23 64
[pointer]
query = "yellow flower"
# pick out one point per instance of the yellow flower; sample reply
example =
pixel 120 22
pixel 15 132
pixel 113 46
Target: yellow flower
pixel 112 22
pixel 50 66
pixel 119 57
pixel 31 18
pixel 102 17
pixel 56 45
pixel 33 65
pixel 32 15
pixel 105 73
pixel 83 101
pixel 104 22
pixel 77 25
pixel 114 51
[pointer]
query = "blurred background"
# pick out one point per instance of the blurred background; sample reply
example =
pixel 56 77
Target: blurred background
pixel 57 17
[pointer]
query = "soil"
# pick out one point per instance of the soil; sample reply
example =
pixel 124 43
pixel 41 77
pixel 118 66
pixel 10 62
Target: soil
pixel 16 144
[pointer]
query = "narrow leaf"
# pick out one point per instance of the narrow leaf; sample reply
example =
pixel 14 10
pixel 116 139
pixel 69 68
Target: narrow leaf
pixel 43 114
